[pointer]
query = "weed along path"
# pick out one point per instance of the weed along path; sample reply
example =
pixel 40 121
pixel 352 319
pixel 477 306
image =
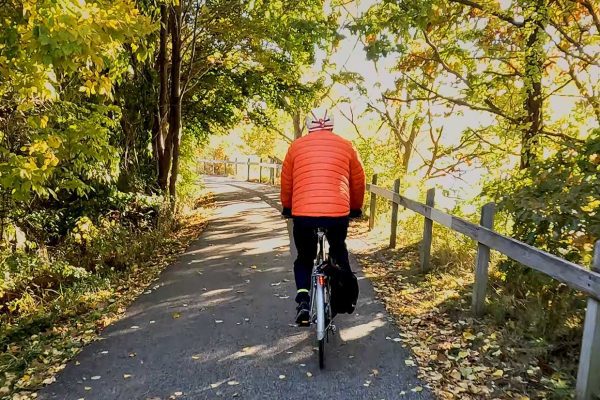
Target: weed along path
pixel 218 324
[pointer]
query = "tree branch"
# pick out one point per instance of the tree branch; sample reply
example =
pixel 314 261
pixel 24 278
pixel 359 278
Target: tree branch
pixel 502 16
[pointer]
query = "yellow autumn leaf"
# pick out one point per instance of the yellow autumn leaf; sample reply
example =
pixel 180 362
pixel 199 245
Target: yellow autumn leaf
pixel 456 375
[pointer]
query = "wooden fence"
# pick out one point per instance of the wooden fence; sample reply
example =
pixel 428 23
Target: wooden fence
pixel 274 169
pixel 573 275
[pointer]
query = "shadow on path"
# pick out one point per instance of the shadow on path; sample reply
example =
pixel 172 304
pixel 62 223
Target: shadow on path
pixel 217 324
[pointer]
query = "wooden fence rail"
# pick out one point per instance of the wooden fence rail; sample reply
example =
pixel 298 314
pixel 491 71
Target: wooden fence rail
pixel 573 275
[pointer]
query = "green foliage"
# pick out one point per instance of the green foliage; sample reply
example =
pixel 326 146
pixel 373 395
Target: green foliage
pixel 56 126
pixel 554 205
pixel 188 187
pixel 555 202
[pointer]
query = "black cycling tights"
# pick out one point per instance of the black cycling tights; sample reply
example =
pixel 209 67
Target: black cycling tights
pixel 305 238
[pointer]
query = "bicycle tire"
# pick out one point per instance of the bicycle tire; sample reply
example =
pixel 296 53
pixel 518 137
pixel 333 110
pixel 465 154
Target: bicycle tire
pixel 322 353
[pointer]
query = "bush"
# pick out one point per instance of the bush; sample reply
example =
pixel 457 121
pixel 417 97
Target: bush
pixel 554 206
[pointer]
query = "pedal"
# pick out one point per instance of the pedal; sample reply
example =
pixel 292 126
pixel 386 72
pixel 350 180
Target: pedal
pixel 303 324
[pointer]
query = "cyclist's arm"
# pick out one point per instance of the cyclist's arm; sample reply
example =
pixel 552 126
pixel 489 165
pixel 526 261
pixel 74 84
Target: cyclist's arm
pixel 286 180
pixel 357 182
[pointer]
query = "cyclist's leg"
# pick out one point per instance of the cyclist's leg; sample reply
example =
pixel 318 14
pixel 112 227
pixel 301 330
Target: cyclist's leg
pixel 305 239
pixel 336 236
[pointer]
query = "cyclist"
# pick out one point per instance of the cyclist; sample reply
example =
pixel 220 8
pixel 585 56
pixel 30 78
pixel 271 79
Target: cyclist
pixel 322 185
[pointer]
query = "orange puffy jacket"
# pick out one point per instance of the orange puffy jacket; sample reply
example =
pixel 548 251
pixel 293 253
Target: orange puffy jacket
pixel 322 176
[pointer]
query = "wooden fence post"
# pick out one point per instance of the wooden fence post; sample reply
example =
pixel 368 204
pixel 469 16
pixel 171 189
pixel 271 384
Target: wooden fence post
pixel 588 384
pixel 394 216
pixel 373 206
pixel 483 261
pixel 236 167
pixel 272 171
pixel 248 177
pixel 425 253
pixel 260 170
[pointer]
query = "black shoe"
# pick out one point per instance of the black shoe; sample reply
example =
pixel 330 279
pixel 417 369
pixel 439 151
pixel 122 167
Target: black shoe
pixel 303 315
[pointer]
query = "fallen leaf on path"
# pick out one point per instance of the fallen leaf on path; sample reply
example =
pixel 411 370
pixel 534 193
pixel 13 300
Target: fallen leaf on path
pixel 281 376
pixel 233 383
pixel 417 389
pixel 87 388
pixel 218 321
pixel 95 378
pixel 196 357
pixel 309 374
pixel 176 315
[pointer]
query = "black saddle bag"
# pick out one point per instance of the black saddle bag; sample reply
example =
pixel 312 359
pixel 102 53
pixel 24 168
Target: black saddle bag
pixel 344 289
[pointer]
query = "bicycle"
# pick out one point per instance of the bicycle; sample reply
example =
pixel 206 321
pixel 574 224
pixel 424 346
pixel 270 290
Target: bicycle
pixel 320 296
pixel 321 313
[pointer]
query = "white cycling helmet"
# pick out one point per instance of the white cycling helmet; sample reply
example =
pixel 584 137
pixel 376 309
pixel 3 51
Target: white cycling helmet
pixel 319 119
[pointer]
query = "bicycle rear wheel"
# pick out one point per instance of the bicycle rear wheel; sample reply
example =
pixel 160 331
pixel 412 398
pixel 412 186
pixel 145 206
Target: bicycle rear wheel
pixel 322 353
pixel 321 327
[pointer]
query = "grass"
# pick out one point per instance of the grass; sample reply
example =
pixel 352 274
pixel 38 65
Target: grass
pixel 507 354
pixel 53 325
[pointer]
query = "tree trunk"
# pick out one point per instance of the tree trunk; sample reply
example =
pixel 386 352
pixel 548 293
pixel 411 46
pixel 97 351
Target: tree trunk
pixel 409 143
pixel 297 124
pixel 162 140
pixel 534 65
pixel 175 103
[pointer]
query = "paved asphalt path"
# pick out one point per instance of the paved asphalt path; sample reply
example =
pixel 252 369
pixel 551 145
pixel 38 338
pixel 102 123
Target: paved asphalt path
pixel 234 290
